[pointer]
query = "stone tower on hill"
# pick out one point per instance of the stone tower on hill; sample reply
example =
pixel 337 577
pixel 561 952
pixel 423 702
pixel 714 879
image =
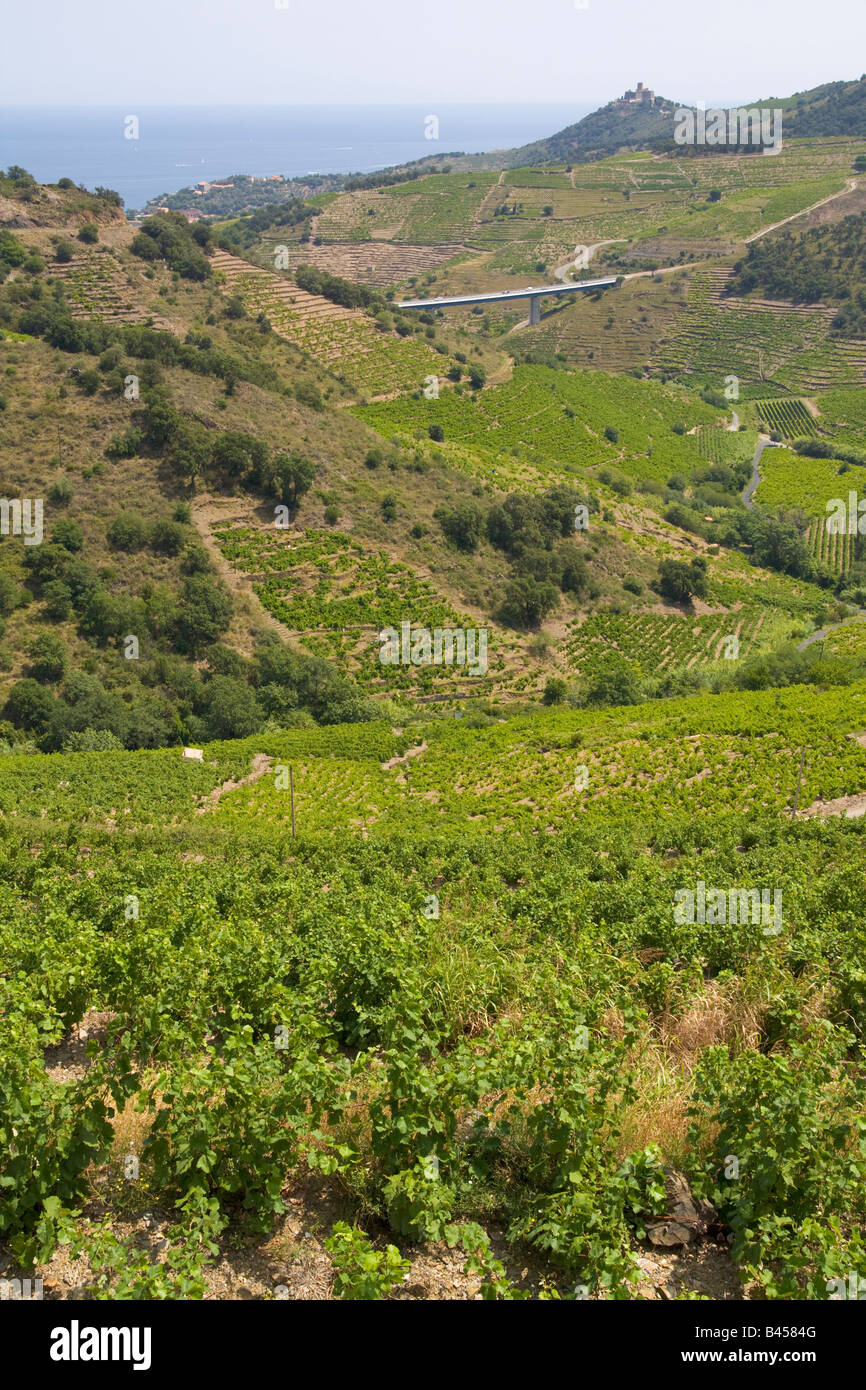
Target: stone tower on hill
pixel 641 95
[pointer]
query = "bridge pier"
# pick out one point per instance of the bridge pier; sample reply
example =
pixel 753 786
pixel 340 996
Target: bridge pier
pixel 535 309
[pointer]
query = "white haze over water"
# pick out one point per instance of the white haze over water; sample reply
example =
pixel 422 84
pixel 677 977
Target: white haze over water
pixel 180 145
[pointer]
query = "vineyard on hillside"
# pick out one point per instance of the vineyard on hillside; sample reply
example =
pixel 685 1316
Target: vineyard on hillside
pixel 833 549
pixel 337 596
pixel 789 418
pixel 530 962
pixel 733 337
pixel 794 480
pixel 557 419
pixel 346 341
pixel 96 286
pixel 724 445
pixel 660 643
pixel 447 1032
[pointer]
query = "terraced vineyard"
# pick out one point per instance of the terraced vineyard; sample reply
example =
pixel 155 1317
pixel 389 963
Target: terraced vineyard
pixel 337 595
pixel 377 263
pixel 347 341
pixel 832 363
pixel 460 917
pixel 732 337
pixel 661 643
pixel 715 759
pixel 660 205
pixel 789 418
pixel 849 640
pixel 735 582
pixel 835 550
pixel 794 480
pixel 433 210
pixel 721 445
pixel 559 420
pixel 97 287
pixel 424 976
pixel 767 343
pixel 643 313
pixel 845 411
pixel 705 758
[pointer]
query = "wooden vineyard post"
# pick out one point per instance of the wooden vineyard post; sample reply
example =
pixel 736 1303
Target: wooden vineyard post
pixel 292 792
pixel 799 783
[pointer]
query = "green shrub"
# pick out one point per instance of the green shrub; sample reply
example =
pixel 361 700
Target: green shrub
pixel 126 532
pixel 362 1272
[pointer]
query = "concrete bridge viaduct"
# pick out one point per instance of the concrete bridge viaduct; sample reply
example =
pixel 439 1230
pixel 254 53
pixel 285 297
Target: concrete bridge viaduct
pixel 534 293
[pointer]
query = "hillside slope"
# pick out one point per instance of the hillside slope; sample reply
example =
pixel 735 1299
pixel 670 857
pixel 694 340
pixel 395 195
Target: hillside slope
pixel 834 109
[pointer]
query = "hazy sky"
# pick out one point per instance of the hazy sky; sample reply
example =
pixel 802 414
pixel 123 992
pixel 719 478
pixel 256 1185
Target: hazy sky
pixel 239 52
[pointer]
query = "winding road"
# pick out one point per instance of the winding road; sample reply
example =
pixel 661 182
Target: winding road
pixel 850 185
pixel 749 491
pixel 819 636
pixel 748 494
pixel 561 271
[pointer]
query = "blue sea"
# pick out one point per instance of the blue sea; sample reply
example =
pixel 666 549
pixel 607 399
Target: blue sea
pixel 179 145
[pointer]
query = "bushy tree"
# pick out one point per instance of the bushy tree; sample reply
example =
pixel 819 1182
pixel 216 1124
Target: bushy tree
pixel 161 420
pixel 204 615
pixel 58 600
pixel 47 659
pixel 10 593
pixel 126 532
pixel 555 691
pixel 614 681
pixel 108 615
pixel 125 445
pixel 777 543
pixel 168 537
pixel 90 381
pixel 462 525
pixel 167 236
pixel 91 741
pixel 67 533
pixel 225 661
pixel 85 704
pixel 231 708
pixel 681 581
pixel 308 393
pixel 29 706
pixel 526 602
pixel 291 478
pixel 190 450
pixel 574 576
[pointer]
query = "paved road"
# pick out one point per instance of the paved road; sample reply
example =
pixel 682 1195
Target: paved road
pixel 664 270
pixel 850 185
pixel 819 636
pixel 747 501
pixel 501 296
pixel 561 271
pixel 749 491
